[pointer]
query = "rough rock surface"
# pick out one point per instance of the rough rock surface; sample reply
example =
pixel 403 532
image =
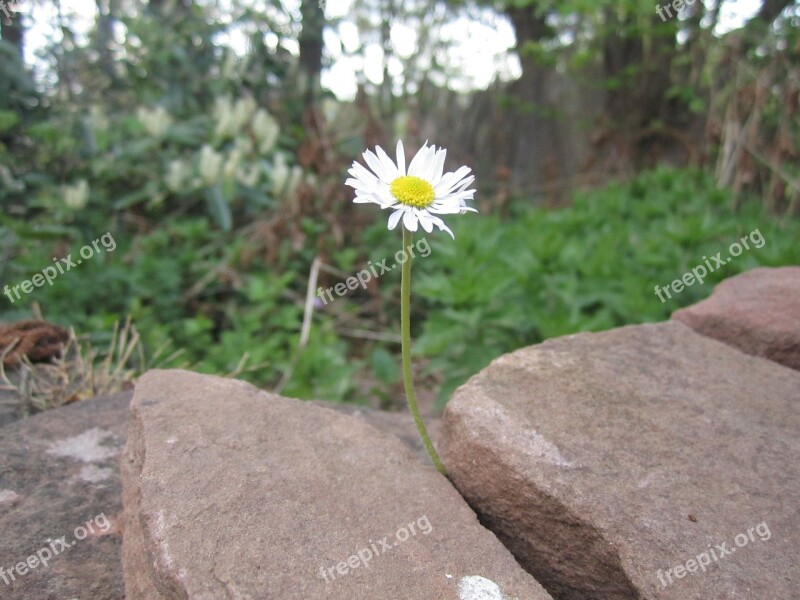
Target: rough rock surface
pixel 234 493
pixel 58 471
pixel 398 424
pixel 757 311
pixel 605 460
pixel 10 409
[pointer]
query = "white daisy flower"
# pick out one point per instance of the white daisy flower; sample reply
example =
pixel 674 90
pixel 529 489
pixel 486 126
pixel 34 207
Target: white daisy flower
pixel 416 195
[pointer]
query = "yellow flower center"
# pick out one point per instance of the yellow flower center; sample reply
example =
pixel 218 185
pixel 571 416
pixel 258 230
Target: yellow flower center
pixel 412 191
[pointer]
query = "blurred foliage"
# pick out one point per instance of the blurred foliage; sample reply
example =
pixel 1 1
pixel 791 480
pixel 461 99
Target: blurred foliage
pixel 220 186
pixel 504 283
pixel 190 132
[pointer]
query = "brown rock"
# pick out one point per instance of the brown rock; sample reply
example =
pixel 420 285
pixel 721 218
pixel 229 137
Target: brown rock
pixel 234 493
pixel 605 460
pixel 398 424
pixel 58 472
pixel 757 312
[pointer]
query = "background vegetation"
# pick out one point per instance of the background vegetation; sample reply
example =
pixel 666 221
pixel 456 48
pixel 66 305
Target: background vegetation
pixel 219 170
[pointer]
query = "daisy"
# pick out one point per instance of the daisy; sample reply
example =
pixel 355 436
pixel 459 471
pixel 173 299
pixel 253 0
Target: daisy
pixel 417 195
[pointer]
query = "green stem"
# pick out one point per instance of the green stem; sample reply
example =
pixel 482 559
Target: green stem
pixel 405 332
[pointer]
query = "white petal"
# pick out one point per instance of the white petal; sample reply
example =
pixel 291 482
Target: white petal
pixel 388 165
pixel 422 164
pixel 451 180
pixel 464 183
pixel 361 173
pixel 386 197
pixel 357 184
pixel 440 224
pixel 454 200
pixel 450 203
pixel 362 197
pixel 444 210
pixel 410 221
pixel 426 221
pixel 430 165
pixel 401 157
pixel 419 162
pixel 394 218
pixel 438 167
pixel 449 206
pixel 462 196
pixel 375 164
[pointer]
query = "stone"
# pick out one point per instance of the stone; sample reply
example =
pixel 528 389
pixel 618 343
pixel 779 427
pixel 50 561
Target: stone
pixel 59 472
pixel 757 312
pixel 399 424
pixel 10 407
pixel 614 465
pixel 230 492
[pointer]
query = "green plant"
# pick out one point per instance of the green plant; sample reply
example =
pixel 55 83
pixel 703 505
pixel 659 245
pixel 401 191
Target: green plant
pixel 588 267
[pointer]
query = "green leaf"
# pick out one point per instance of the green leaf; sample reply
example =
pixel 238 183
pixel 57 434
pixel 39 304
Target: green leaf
pixel 219 208
pixel 384 366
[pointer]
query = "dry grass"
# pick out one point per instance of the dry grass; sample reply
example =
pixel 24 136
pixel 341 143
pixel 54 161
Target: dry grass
pixel 78 373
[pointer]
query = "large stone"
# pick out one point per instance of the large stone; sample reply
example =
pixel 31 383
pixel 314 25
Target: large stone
pixel 234 493
pixel 604 461
pixel 757 311
pixel 58 472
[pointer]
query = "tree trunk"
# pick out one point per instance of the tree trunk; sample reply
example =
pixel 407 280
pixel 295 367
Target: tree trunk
pixel 105 36
pixel 770 10
pixel 537 135
pixel 310 41
pixel 12 32
pixel 15 80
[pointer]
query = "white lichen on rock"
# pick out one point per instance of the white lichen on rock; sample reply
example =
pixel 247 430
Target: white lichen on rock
pixel 475 587
pixel 87 447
